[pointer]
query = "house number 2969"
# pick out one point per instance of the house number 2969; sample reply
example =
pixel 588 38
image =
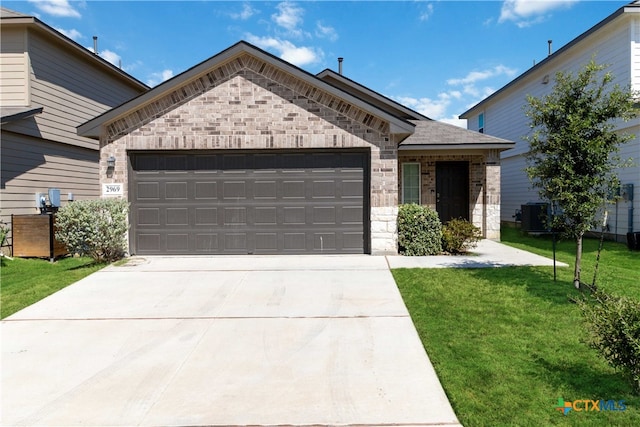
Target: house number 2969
pixel 112 189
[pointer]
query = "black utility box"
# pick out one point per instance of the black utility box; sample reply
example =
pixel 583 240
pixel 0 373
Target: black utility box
pixel 633 241
pixel 534 217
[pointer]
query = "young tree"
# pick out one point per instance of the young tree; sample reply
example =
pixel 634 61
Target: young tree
pixel 574 146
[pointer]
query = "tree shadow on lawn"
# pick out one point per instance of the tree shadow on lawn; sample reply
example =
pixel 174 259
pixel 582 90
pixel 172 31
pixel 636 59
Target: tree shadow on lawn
pixel 584 381
pixel 537 281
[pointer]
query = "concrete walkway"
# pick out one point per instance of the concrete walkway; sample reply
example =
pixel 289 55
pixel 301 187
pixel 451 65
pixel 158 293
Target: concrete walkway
pixel 487 254
pixel 252 340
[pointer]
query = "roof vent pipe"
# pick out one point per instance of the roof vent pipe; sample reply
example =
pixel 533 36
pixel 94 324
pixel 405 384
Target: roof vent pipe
pixel 95 44
pixel 549 43
pixel 340 65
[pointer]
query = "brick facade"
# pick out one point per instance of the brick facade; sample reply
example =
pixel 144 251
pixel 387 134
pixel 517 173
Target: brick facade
pixel 247 103
pixel 484 185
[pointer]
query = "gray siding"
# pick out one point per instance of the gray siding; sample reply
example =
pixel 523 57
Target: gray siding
pixel 44 151
pixel 31 165
pixel 71 89
pixel 14 79
pixel 615 44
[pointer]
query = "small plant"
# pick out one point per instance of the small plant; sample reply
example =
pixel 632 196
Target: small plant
pixel 4 232
pixel 612 324
pixel 459 235
pixel 95 228
pixel 419 231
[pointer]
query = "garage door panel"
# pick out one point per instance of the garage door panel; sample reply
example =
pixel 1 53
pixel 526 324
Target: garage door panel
pixel 234 190
pixel 238 203
pixel 265 216
pixel 178 242
pixel 293 189
pixel 175 191
pixel 295 241
pixel 266 242
pixel 177 216
pixel 322 189
pixel 206 190
pixel 148 216
pixel 148 243
pixel 148 191
pixel 235 242
pixel 207 242
pixel 235 216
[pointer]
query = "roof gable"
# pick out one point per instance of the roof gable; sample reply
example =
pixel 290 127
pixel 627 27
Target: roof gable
pixel 221 67
pixel 370 96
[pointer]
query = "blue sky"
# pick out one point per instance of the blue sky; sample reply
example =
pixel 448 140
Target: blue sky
pixel 437 57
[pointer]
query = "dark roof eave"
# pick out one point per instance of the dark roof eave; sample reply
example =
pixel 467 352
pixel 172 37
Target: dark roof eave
pixel 19 114
pixel 470 146
pixel 375 95
pixel 631 7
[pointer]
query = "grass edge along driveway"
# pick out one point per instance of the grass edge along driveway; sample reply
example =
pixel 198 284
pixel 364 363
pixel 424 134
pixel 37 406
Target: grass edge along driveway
pixel 507 343
pixel 27 281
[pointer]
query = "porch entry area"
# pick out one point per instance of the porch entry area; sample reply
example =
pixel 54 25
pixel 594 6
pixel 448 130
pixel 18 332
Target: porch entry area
pixel 452 190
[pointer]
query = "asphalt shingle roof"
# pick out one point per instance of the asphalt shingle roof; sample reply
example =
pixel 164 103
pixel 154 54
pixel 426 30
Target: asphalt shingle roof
pixel 434 133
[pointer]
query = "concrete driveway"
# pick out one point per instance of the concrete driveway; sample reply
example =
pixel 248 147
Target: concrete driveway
pixel 190 341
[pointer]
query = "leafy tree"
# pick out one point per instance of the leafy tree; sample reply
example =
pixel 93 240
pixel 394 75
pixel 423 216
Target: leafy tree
pixel 574 146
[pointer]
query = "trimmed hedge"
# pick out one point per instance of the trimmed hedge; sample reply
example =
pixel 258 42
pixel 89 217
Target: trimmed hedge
pixel 419 231
pixel 96 228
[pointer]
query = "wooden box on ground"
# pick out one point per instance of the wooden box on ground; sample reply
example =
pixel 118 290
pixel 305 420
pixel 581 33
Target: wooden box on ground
pixel 34 236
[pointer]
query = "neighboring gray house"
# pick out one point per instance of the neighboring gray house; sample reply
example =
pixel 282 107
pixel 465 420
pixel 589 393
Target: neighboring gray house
pixel 49 85
pixel 614 41
pixel 247 154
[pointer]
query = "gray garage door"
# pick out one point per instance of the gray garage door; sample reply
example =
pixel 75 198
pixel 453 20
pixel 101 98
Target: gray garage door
pixel 249 203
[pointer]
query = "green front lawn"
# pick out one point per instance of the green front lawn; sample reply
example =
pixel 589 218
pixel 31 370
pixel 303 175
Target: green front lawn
pixel 507 342
pixel 26 281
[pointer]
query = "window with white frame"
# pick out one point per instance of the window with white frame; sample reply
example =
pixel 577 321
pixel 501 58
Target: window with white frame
pixel 481 123
pixel 411 183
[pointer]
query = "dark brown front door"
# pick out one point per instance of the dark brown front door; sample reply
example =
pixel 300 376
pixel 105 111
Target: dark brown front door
pixel 452 190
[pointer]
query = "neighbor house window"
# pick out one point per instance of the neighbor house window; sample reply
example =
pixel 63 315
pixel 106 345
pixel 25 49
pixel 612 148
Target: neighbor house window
pixel 481 123
pixel 411 183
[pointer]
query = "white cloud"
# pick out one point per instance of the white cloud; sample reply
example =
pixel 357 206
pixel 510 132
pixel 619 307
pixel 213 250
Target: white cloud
pixel 326 32
pixel 432 108
pixel 476 76
pixel 60 8
pixel 528 12
pixel 159 77
pixel 425 12
pixel 246 12
pixel 456 121
pixel 111 56
pixel 73 34
pixel 298 55
pixel 289 16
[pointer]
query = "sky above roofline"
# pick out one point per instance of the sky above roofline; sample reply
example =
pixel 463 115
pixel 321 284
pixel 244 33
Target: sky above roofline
pixel 437 57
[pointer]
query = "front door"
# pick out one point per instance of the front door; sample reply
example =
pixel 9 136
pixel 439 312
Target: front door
pixel 452 190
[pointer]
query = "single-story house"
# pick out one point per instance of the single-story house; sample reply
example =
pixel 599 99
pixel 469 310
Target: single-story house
pixel 247 154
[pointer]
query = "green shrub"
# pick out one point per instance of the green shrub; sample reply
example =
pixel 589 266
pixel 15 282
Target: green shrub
pixel 459 235
pixel 419 231
pixel 96 228
pixel 612 324
pixel 4 232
